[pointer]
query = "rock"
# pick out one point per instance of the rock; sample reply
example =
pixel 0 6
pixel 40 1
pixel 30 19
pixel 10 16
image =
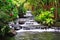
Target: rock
pixel 12 33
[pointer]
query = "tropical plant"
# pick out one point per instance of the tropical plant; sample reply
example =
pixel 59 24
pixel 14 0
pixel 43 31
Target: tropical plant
pixel 45 17
pixel 4 28
pixel 8 12
pixel 18 2
pixel 21 10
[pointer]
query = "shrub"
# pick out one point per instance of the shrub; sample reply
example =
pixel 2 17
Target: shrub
pixel 45 17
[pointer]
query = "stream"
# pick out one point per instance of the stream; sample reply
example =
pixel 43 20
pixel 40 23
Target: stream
pixel 31 30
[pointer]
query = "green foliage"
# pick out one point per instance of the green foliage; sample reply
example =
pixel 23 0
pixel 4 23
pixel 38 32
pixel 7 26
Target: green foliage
pixel 17 2
pixel 45 1
pixel 8 12
pixel 15 12
pixel 45 17
pixel 37 18
pixel 4 30
pixel 52 9
pixel 36 3
pixel 21 10
pixel 4 17
pixel 37 12
pixel 59 11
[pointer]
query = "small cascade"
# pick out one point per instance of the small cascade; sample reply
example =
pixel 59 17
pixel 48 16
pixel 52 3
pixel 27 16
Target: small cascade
pixel 27 23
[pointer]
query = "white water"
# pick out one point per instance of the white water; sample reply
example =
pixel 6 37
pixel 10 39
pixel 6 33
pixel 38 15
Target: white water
pixel 38 30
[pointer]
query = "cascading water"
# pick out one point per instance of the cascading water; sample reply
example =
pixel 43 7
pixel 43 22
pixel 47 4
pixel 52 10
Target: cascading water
pixel 30 25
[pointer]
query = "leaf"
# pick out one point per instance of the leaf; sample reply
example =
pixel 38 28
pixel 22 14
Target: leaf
pixel 3 28
pixel 52 9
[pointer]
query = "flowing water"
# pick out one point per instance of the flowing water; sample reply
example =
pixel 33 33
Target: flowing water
pixel 38 36
pixel 34 33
